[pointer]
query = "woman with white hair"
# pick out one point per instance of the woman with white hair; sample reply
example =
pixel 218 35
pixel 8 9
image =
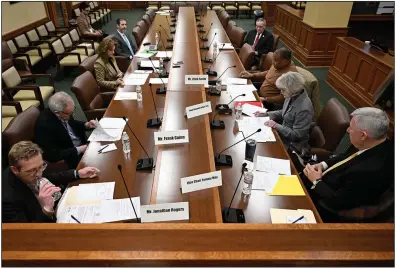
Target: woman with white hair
pixel 294 120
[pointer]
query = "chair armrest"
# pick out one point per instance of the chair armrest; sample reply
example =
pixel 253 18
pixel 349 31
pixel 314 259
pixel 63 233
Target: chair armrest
pixel 123 63
pixel 49 76
pixel 20 64
pixel 41 41
pixel 91 37
pixel 33 88
pixel 107 97
pixel 322 154
pixel 33 48
pixel 15 104
pixel 82 47
pixel 71 53
pixel 95 113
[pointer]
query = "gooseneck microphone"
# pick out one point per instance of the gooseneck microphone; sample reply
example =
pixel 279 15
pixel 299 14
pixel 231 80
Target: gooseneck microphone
pixel 208 31
pixel 169 39
pixel 166 58
pixel 217 124
pixel 141 164
pixel 234 215
pixel 226 160
pixel 173 25
pixel 214 73
pixel 224 108
pixel 213 82
pixel 129 196
pixel 156 122
pixel 154 69
pixel 207 47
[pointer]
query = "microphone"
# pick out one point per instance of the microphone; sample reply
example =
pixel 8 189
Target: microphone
pixel 214 73
pixel 208 47
pixel 166 58
pixel 156 122
pixel 141 164
pixel 226 160
pixel 173 25
pixel 213 82
pixel 217 124
pixel 224 108
pixel 161 90
pixel 234 215
pixel 206 37
pixel 169 39
pixel 154 69
pixel 129 196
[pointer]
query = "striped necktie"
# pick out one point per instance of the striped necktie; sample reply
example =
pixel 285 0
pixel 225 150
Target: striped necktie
pixel 340 163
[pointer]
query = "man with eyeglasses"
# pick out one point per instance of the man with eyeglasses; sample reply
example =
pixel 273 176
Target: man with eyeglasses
pixel 23 200
pixel 126 44
pixel 260 40
pixel 58 134
pixel 83 22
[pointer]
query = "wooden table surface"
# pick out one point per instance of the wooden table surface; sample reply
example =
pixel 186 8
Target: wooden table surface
pixel 174 162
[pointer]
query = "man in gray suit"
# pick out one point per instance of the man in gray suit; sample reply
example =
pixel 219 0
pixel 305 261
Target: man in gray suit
pixel 297 114
pixel 126 44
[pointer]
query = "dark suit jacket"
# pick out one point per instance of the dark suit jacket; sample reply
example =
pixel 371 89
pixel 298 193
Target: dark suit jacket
pixel 360 181
pixel 265 43
pixel 121 47
pixel 18 201
pixel 54 140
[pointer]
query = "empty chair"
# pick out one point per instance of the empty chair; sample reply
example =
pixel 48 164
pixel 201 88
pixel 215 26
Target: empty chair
pixel 143 26
pixel 23 44
pixel 55 31
pixel 11 108
pixel 76 39
pixel 147 20
pixel 8 60
pixel 312 88
pixel 106 11
pixel 275 41
pixel 92 101
pixel 246 56
pixel 30 59
pixel 153 5
pixel 35 40
pixel 224 17
pixel 151 13
pixel 217 6
pixel 66 59
pixel 232 7
pixel 165 5
pixel 75 47
pixel 237 36
pixel 244 7
pixel 331 126
pixel 229 27
pixel 99 15
pixel 138 34
pixel 45 35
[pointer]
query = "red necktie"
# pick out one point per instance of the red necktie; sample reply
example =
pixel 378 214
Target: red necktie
pixel 256 41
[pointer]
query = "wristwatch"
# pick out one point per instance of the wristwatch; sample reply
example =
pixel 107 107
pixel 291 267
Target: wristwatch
pixel 315 183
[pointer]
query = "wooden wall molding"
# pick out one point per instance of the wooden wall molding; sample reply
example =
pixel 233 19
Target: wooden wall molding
pixel 188 244
pixel 269 12
pixel 25 29
pixel 312 46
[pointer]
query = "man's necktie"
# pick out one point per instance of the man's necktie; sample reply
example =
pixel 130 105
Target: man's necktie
pixel 256 41
pixel 128 44
pixel 340 163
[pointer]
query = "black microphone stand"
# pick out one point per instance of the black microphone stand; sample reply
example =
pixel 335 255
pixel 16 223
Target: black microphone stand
pixel 129 196
pixel 234 215
pixel 224 108
pixel 214 73
pixel 208 31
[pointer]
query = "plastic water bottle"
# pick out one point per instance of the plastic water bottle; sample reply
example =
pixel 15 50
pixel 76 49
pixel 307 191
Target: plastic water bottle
pixel 214 50
pixel 139 94
pixel 248 179
pixel 239 112
pixel 41 181
pixel 126 142
pixel 161 67
pixel 157 39
pixel 219 86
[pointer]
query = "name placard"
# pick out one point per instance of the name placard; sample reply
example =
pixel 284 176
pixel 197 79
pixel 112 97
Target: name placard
pixel 171 137
pixel 196 79
pixel 201 182
pixel 198 110
pixel 165 212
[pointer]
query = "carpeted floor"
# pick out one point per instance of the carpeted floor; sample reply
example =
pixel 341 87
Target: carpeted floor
pixel 133 16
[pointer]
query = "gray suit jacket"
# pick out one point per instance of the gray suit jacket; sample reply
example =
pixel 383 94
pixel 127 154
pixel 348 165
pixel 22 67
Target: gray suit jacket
pixel 121 47
pixel 296 121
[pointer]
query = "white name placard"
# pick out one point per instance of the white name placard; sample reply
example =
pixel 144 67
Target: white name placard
pixel 198 110
pixel 201 182
pixel 165 212
pixel 171 137
pixel 196 79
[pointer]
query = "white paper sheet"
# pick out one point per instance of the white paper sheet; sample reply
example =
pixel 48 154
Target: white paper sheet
pixel 145 54
pixel 264 181
pixel 156 64
pixel 250 110
pixel 239 89
pixel 136 79
pixel 158 81
pixel 284 215
pixel 83 213
pixel 249 97
pixel 120 209
pixel 236 81
pixel 227 46
pixel 143 71
pixel 125 96
pixel 265 135
pixel 163 54
pixel 95 191
pixel 273 165
pixel 104 135
pixel 108 148
pixel 112 123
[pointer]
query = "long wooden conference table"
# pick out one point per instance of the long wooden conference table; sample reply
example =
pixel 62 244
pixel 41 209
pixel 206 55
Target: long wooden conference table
pixel 204 239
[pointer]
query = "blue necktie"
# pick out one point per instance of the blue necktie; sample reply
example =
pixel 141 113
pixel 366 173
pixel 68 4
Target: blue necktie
pixel 128 44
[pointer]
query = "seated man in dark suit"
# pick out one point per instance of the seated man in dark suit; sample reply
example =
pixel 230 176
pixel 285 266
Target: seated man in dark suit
pixel 352 180
pixel 126 45
pixel 260 40
pixel 23 199
pixel 61 137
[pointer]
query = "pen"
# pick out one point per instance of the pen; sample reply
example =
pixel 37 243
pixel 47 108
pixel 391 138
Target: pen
pixel 100 151
pixel 75 219
pixel 295 221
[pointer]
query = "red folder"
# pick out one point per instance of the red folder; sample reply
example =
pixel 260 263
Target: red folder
pixel 254 103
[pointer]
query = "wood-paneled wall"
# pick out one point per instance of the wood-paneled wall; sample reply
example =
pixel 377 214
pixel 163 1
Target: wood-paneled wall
pixel 312 46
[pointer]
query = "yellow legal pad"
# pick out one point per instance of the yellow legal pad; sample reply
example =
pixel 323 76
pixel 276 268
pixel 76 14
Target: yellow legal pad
pixel 288 185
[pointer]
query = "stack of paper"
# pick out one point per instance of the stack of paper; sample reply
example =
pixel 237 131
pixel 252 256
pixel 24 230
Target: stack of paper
pixel 150 64
pixel 145 54
pixel 235 90
pixel 105 134
pixel 273 165
pixel 158 80
pixel 225 46
pixel 163 54
pixel 125 96
pixel 289 216
pixel 143 71
pixel 95 191
pixel 237 81
pixel 250 110
pixel 136 79
pixel 249 125
pixel 264 181
pixel 120 209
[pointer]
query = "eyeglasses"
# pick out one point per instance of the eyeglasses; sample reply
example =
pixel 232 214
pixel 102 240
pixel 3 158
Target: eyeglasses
pixel 67 114
pixel 34 171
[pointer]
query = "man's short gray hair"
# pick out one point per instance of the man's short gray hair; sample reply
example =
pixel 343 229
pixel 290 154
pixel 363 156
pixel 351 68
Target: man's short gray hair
pixel 291 81
pixel 261 20
pixel 59 101
pixel 373 120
